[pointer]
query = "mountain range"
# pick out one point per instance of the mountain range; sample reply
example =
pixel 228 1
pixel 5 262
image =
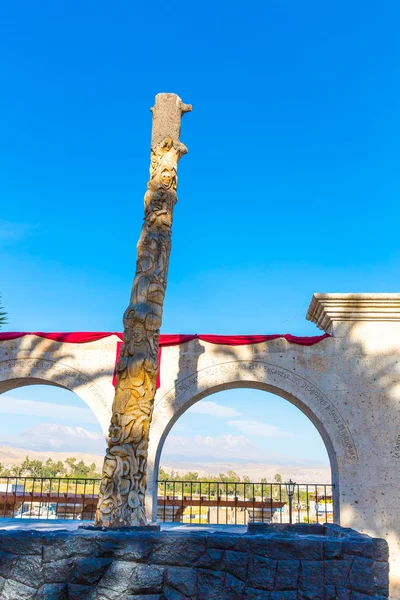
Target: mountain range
pixel 50 437
pixel 204 454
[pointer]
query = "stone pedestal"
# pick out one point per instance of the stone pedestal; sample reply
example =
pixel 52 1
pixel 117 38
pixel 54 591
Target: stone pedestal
pixel 198 565
pixel 151 528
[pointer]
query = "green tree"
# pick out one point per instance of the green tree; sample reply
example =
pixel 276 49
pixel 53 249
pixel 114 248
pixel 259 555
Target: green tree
pixel 31 468
pixel 3 315
pixel 53 469
pixel 15 471
pixel 92 471
pixel 278 491
pixel 70 461
pixel 190 476
pixel 4 472
pixel 163 475
pixel 81 470
pixel 264 489
pixel 24 466
pixel 36 468
pixel 230 476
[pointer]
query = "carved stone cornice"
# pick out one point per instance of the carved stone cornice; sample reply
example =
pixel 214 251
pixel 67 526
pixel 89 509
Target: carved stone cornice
pixel 325 309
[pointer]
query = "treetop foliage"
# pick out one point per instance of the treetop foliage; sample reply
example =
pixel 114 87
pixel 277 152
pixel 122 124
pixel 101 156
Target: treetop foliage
pixel 229 477
pixel 36 468
pixel 79 469
pixel 3 315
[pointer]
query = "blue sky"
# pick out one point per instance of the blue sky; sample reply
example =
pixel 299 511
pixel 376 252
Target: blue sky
pixel 291 184
pixel 238 426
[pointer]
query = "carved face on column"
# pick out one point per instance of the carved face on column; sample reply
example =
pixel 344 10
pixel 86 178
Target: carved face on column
pixel 134 331
pixel 138 334
pixel 157 201
pixel 166 178
pixel 154 162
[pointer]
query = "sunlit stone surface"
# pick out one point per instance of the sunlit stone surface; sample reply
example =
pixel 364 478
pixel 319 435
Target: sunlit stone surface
pixel 348 385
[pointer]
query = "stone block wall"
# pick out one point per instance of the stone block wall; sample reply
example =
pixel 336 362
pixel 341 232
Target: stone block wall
pixel 85 565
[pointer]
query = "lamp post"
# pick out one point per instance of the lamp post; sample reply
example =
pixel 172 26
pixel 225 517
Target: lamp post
pixel 290 485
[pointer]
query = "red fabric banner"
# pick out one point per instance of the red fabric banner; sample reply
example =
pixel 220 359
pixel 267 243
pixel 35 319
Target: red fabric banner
pixel 80 337
pixel 166 340
pixel 176 338
pixel 243 340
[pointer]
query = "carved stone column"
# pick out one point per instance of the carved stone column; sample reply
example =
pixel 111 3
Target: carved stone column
pixel 123 486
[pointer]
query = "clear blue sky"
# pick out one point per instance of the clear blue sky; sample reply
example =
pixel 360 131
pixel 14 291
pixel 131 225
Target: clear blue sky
pixel 292 180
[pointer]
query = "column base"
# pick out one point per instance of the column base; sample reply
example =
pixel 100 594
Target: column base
pixel 147 528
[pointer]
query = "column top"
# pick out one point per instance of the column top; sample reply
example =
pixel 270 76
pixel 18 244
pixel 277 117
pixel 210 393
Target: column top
pixel 167 112
pixel 325 309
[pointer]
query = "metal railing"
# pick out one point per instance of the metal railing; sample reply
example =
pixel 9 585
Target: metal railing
pixel 224 502
pixel 48 497
pixel 211 502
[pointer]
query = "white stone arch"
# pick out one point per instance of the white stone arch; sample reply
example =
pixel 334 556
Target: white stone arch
pixel 23 371
pixel 259 375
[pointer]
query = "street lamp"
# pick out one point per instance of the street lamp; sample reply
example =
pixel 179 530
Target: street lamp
pixel 290 486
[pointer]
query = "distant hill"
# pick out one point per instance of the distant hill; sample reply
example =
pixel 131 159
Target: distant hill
pixel 256 471
pixel 301 474
pixel 204 454
pixel 52 437
pixel 14 456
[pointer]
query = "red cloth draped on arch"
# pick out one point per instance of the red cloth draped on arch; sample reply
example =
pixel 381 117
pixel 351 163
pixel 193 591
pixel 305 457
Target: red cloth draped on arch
pixel 83 337
pixel 166 340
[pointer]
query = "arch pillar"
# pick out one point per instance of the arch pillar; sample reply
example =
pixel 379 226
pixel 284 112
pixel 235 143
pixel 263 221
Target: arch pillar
pixel 267 376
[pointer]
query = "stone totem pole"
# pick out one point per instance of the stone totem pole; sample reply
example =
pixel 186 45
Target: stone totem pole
pixel 123 486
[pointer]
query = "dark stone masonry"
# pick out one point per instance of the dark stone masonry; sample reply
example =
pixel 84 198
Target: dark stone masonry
pixel 298 563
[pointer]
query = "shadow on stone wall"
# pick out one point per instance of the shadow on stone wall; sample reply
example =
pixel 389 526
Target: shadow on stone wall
pixel 39 361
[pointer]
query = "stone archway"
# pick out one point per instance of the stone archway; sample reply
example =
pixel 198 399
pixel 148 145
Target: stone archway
pixel 260 375
pixel 348 385
pixel 20 372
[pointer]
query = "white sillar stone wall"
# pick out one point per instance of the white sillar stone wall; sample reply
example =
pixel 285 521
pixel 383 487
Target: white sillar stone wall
pixel 348 385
